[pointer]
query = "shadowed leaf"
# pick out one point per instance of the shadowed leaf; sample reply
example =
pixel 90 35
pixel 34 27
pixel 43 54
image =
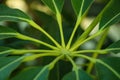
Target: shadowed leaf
pixel 7 65
pixel 80 6
pixel 111 15
pixel 104 73
pixel 33 73
pixel 50 4
pixel 6 32
pixel 82 76
pixel 8 14
pixel 115 47
pixel 5 51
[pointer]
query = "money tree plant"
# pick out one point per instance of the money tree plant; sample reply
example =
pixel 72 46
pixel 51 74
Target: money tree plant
pixel 57 56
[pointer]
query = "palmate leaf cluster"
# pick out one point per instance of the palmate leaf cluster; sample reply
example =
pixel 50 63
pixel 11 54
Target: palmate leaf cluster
pixel 63 53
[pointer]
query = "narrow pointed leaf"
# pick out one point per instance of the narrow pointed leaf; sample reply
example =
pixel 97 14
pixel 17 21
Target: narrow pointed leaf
pixel 106 74
pixel 115 47
pixel 6 32
pixel 5 51
pixel 8 14
pixel 7 65
pixel 82 76
pixel 80 6
pixel 111 15
pixel 50 4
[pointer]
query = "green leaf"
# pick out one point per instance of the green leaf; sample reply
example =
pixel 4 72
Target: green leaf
pixel 33 73
pixel 48 22
pixel 82 76
pixel 50 4
pixel 7 65
pixel 115 47
pixel 43 74
pixel 106 74
pixel 6 32
pixel 27 74
pixel 55 73
pixel 8 14
pixel 67 68
pixel 80 6
pixel 111 15
pixel 5 51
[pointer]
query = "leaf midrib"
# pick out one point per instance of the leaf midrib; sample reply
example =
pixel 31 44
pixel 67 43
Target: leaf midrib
pixel 6 51
pixel 11 63
pixel 81 9
pixel 111 20
pixel 27 20
pixel 41 71
pixel 8 33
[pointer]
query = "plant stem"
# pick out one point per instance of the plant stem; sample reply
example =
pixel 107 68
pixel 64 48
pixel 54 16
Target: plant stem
pixel 7 51
pixel 95 55
pixel 99 61
pixel 72 35
pixel 59 20
pixel 33 51
pixel 61 29
pixel 85 57
pixel 32 23
pixel 35 56
pixel 89 38
pixel 51 65
pixel 87 31
pixel 24 37
pixel 79 18
pixel 104 51
pixel 75 68
pixel 90 51
pixel 90 28
pixel 111 49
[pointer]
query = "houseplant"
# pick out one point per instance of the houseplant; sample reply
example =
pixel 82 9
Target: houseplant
pixel 60 52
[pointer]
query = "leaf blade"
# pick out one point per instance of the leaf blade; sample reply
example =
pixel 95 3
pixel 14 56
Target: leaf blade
pixel 80 6
pixel 27 73
pixel 8 64
pixel 107 19
pixel 43 74
pixel 50 4
pixel 115 47
pixel 106 74
pixel 8 14
pixel 5 51
pixel 82 76
pixel 32 73
pixel 6 32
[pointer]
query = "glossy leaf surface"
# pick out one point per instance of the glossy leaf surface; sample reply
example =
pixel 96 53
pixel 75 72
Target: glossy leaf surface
pixel 8 14
pixel 6 32
pixel 27 74
pixel 33 73
pixel 104 73
pixel 82 76
pixel 7 65
pixel 50 4
pixel 5 51
pixel 111 15
pixel 115 46
pixel 80 6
